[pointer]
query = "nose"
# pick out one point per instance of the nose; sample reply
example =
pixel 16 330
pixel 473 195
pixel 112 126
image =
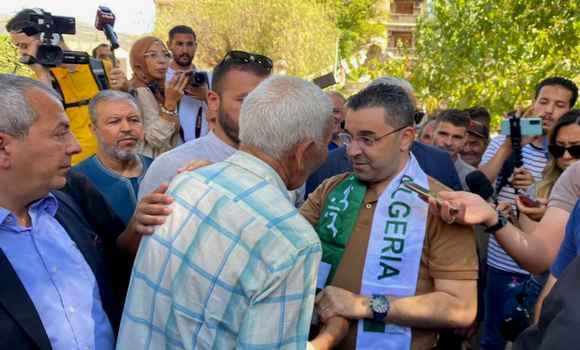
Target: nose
pixel 73 147
pixel 353 149
pixel 125 126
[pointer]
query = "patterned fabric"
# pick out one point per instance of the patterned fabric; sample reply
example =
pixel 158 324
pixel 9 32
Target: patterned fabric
pixel 234 266
pixel 534 161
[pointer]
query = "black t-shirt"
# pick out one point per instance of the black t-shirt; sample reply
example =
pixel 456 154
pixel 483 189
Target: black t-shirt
pixel 559 323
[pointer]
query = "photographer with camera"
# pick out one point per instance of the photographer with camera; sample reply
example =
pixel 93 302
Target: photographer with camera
pixel 193 105
pixel 157 98
pixel 74 75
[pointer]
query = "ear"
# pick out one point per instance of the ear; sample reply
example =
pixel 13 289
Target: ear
pixel 407 138
pixel 213 102
pixel 6 150
pixel 93 128
pixel 302 154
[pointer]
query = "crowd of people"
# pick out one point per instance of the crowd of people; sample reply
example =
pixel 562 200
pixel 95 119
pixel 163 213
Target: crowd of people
pixel 236 208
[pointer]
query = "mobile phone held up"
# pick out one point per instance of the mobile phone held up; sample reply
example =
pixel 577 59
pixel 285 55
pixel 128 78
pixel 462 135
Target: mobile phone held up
pixel 529 202
pixel 529 126
pixel 423 193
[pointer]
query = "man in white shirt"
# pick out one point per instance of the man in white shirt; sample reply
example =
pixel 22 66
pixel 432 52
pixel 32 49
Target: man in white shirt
pixel 192 107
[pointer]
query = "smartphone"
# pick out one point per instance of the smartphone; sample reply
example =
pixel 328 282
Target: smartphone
pixel 424 193
pixel 529 126
pixel 529 202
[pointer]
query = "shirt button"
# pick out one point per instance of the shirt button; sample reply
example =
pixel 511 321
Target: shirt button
pixel 71 309
pixel 369 206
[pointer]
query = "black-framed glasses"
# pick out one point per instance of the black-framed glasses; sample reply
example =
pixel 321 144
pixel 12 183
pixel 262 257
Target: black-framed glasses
pixel 246 57
pixel 366 140
pixel 558 151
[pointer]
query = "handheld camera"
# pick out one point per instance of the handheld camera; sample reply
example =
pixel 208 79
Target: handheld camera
pixel 50 27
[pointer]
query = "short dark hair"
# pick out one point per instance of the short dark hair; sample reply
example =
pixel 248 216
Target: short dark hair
pixel 94 52
pixel 225 66
pixel 479 114
pixel 455 117
pixel 181 29
pixel 560 81
pixel 394 100
pixel 22 21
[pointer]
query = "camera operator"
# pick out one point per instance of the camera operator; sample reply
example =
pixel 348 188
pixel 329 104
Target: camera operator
pixel 76 83
pixel 192 108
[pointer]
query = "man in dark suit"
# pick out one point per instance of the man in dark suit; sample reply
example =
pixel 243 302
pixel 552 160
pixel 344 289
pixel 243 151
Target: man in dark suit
pixel 55 291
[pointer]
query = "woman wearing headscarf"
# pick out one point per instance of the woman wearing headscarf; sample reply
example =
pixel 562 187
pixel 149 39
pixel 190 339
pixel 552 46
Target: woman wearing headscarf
pixel 158 100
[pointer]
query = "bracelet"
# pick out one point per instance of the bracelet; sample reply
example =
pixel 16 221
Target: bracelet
pixel 164 110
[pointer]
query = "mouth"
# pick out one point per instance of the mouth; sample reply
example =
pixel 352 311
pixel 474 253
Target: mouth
pixel 129 140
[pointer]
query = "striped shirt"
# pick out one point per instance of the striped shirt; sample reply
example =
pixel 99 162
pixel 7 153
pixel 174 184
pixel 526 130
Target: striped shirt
pixel 234 266
pixel 535 160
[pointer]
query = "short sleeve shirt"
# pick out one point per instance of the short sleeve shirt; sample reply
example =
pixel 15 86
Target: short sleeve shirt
pixel 566 190
pixel 449 252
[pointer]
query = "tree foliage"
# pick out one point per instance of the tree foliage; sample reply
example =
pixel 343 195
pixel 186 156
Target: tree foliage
pixel 9 58
pixel 299 32
pixel 358 22
pixel 489 53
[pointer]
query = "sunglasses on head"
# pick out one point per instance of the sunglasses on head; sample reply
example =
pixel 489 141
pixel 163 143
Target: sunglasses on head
pixel 558 151
pixel 245 57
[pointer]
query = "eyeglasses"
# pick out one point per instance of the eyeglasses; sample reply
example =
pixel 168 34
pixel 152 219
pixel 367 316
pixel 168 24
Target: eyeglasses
pixel 245 57
pixel 158 56
pixel 365 140
pixel 558 151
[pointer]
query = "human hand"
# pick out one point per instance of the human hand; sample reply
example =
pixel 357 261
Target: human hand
pixel 199 93
pixel 534 213
pixel 521 178
pixel 193 165
pixel 152 210
pixel 463 207
pixel 331 334
pixel 334 301
pixel 174 90
pixel 118 79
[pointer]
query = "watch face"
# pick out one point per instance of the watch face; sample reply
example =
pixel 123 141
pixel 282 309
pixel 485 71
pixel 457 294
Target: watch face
pixel 380 305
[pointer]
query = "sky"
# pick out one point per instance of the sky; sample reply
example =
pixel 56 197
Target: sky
pixel 133 17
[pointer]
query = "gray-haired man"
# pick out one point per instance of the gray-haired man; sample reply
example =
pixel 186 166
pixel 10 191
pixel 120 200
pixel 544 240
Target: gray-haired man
pixel 234 265
pixel 116 169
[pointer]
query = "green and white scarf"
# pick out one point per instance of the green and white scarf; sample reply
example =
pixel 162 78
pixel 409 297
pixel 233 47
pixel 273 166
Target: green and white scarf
pixel 394 250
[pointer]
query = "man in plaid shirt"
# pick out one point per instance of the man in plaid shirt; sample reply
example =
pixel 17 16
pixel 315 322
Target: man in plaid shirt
pixel 234 265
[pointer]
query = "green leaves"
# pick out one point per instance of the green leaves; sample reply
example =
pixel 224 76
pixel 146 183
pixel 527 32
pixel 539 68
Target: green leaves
pixel 491 53
pixel 9 58
pixel 300 33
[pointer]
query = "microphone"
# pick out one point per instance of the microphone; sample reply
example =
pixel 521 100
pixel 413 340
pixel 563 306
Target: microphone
pixel 105 20
pixel 479 184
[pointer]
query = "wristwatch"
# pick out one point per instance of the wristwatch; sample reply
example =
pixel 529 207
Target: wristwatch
pixel 501 222
pixel 380 307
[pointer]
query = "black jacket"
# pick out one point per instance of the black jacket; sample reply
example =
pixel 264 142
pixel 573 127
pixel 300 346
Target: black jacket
pixel 20 325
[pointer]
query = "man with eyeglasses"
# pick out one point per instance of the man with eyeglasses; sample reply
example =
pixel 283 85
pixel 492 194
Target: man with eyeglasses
pixel 435 162
pixel 390 266
pixel 232 80
pixel 192 106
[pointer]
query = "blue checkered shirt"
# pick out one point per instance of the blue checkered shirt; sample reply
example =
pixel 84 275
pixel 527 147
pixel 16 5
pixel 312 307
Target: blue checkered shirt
pixel 234 266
